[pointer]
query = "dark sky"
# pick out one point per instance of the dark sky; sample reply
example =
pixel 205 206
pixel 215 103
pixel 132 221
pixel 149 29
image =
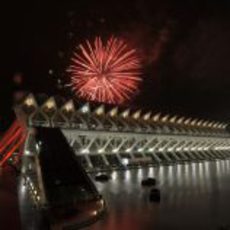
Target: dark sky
pixel 185 47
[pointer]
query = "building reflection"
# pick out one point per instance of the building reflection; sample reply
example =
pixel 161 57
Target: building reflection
pixel 190 192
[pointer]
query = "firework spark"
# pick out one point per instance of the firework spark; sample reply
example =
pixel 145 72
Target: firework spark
pixel 105 72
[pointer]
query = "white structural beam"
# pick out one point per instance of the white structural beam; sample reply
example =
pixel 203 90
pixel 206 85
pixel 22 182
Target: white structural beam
pixel 150 141
pixel 117 149
pixel 103 149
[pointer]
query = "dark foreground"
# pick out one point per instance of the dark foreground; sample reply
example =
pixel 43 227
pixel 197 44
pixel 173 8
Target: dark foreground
pixel 9 209
pixel 194 196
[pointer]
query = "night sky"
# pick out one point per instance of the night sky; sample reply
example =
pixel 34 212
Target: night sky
pixel 185 47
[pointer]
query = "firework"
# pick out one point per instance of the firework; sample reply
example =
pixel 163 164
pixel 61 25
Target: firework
pixel 105 72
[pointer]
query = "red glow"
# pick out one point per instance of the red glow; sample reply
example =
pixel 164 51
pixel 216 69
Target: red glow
pixel 8 134
pixel 13 149
pixel 10 140
pixel 105 72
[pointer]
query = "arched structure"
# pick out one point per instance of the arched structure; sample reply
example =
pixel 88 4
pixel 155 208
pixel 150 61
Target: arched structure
pixel 104 136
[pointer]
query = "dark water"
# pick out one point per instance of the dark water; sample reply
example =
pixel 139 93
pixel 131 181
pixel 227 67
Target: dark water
pixel 194 196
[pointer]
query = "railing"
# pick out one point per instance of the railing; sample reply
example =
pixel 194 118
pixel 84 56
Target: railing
pixel 158 131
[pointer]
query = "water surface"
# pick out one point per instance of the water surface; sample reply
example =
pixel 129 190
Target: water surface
pixel 194 196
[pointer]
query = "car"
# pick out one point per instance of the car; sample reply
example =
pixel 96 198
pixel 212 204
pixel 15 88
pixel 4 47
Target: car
pixel 102 177
pixel 150 181
pixel 155 195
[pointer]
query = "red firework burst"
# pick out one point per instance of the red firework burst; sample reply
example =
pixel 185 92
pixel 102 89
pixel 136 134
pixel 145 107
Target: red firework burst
pixel 105 72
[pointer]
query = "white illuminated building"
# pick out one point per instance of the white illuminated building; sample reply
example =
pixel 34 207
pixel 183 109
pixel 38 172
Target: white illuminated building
pixel 103 136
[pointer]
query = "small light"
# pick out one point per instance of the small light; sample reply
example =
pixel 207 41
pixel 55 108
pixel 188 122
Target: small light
pixel 50 71
pixel 85 150
pixel 85 109
pixel 156 117
pixel 27 152
pixel 50 104
pixel 125 114
pixel 125 161
pixel 137 114
pixel 113 112
pixel 69 107
pixel 102 202
pixel 37 147
pixel 101 150
pixel 94 213
pixel 32 186
pixel 100 110
pixel 128 150
pixel 29 101
pixel 147 116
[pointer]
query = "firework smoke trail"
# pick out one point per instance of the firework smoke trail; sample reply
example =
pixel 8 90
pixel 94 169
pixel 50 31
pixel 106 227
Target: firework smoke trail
pixel 107 73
